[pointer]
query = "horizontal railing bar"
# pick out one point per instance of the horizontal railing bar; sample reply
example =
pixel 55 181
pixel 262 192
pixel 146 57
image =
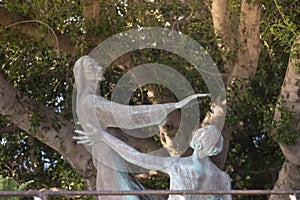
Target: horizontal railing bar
pixel 145 192
pixel 20 193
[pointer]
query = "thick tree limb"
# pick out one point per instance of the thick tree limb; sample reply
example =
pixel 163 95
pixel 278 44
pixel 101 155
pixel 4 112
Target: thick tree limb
pixel 248 42
pixel 57 41
pixel 248 48
pixel 20 110
pixel 290 101
pixel 248 52
pixel 223 30
pixel 289 176
pixel 288 179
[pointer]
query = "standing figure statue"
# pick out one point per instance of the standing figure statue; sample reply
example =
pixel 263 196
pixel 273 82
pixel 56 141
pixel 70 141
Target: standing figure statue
pixel 88 76
pixel 100 113
pixel 195 172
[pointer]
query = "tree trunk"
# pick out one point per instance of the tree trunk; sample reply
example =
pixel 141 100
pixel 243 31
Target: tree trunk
pixel 223 30
pixel 248 41
pixel 289 176
pixel 51 128
pixel 247 51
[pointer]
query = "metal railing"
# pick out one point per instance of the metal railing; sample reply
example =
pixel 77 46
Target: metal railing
pixel 44 194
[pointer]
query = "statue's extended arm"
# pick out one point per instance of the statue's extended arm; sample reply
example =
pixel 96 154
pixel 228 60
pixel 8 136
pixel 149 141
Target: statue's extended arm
pixel 124 150
pixel 133 117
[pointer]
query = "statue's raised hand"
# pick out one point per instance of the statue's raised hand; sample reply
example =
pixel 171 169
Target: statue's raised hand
pixel 89 138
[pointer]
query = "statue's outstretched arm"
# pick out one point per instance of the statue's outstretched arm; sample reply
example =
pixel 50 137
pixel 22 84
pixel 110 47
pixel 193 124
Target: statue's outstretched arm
pixel 136 116
pixel 127 152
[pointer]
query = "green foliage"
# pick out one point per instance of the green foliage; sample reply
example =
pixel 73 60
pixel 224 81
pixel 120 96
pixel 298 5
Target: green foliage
pixel 25 158
pixel 252 148
pixel 286 131
pixel 37 70
pixel 9 184
pixel 155 180
pixel 281 22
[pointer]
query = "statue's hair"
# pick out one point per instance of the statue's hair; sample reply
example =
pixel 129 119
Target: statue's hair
pixel 208 135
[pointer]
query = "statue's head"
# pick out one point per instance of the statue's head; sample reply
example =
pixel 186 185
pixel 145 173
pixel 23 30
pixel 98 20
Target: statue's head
pixel 88 69
pixel 208 140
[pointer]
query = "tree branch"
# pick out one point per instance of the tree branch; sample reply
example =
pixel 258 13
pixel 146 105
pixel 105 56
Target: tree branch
pixel 248 42
pixel 29 29
pixel 289 176
pixel 50 128
pixel 247 54
pixel 290 101
pixel 223 30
